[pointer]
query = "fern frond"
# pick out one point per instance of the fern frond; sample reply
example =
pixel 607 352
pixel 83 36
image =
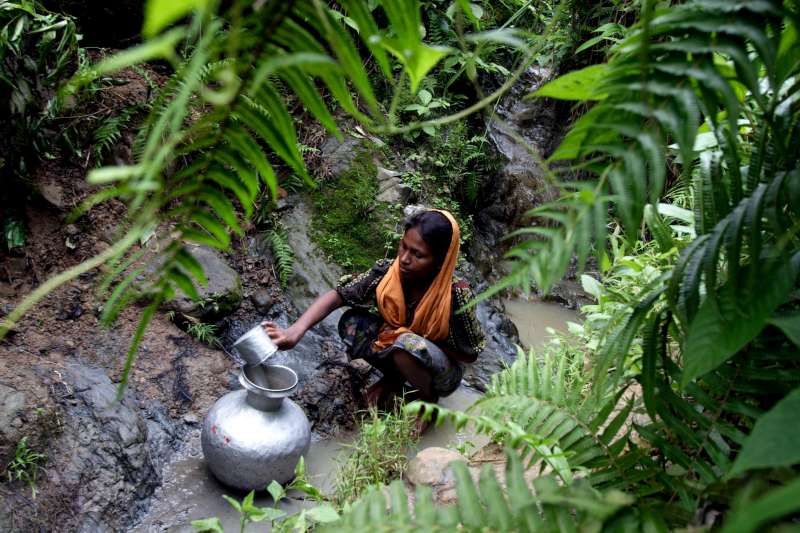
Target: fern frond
pixel 110 131
pixel 282 252
pixel 486 505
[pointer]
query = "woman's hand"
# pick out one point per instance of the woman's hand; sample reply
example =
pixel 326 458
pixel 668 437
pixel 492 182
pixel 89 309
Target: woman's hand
pixel 284 339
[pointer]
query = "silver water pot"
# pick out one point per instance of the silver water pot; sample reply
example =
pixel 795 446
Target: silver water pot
pixel 257 434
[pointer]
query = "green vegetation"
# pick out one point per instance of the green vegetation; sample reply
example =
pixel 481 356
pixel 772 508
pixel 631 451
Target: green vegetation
pixel 249 513
pixel 205 333
pixel 349 226
pixel 377 456
pixel 277 237
pixel 679 392
pixel 683 314
pixel 25 465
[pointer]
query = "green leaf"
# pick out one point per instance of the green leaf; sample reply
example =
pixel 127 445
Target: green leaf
pixel 191 265
pixel 235 504
pixel 310 97
pixel 158 14
pixel 213 226
pixel 323 514
pixel 673 211
pixel 507 36
pixel 774 439
pixel 417 60
pixel 258 514
pixel 722 326
pixel 184 283
pixel 249 150
pixel 208 524
pixel 222 207
pixel 591 286
pixel 790 325
pixel 582 85
pixel 753 515
pixel 100 176
pixel 424 96
pixel 276 490
pixel 368 31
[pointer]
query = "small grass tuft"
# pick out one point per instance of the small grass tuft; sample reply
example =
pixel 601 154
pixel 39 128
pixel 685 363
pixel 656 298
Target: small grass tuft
pixel 25 465
pixel 205 333
pixel 378 454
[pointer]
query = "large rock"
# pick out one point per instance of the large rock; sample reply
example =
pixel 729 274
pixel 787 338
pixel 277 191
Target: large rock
pixel 112 454
pixel 12 402
pixel 431 467
pixel 338 155
pixel 391 188
pixel 105 461
pixel 314 275
pixel 501 350
pixel 518 127
pixel 220 297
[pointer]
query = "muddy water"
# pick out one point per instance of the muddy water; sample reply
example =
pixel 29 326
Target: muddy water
pixel 190 492
pixel 534 318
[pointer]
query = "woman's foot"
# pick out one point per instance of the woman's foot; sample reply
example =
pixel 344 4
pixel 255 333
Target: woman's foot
pixel 419 427
pixel 422 423
pixel 379 394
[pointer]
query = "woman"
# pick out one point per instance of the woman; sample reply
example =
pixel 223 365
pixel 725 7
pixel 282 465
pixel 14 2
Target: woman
pixel 404 318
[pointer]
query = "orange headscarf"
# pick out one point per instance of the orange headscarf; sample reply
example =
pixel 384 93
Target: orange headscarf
pixel 432 317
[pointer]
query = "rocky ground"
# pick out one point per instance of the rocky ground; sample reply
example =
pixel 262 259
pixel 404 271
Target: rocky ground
pixel 59 370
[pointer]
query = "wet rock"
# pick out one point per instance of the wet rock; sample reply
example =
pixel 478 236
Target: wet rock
pixel 314 274
pixel 431 467
pixel 569 293
pixel 108 459
pixel 338 155
pixel 220 297
pixel 391 188
pixel 262 300
pixel 518 126
pixel 54 194
pixel 70 311
pixel 331 398
pixel 12 401
pixel 501 351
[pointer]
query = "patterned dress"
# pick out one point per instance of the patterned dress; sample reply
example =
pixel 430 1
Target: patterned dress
pixel 360 326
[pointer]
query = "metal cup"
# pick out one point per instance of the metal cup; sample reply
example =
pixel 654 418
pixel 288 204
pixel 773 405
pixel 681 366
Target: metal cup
pixel 255 346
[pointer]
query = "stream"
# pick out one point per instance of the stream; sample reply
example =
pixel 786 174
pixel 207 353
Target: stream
pixel 189 492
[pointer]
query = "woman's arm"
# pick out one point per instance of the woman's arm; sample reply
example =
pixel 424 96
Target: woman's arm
pixel 286 339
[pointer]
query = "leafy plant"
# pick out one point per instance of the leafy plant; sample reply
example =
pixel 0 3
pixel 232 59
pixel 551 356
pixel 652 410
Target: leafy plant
pixel 205 333
pixel 109 132
pixel 248 512
pixel 424 105
pixel 718 358
pixel 488 506
pixel 37 50
pixel 378 454
pixel 282 253
pixel 13 233
pixel 25 465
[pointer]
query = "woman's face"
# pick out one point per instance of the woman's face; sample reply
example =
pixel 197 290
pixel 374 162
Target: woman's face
pixel 415 257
